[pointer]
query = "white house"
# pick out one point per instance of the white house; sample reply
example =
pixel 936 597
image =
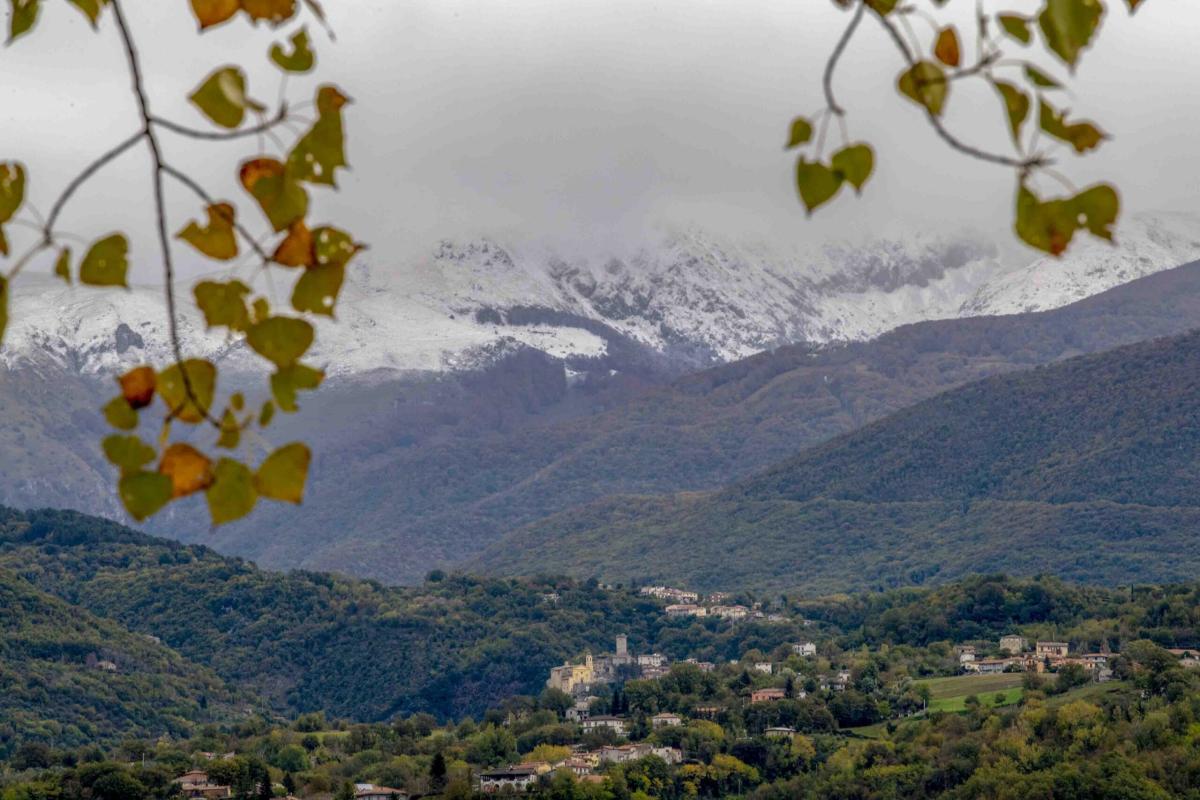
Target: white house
pixel 612 723
pixel 665 720
pixel 517 779
pixel 805 649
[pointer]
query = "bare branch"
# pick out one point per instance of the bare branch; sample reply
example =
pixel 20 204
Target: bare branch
pixel 995 158
pixel 836 55
pixel 196 133
pixel 83 177
pixel 164 238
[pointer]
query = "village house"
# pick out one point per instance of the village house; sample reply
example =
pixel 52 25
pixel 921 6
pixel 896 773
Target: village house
pixel 572 677
pixel 1052 649
pixel 686 610
pixel 651 660
pixel 623 754
pixel 654 673
pixel 665 720
pixel 762 666
pixel 708 712
pixel 730 612
pixel 194 784
pixel 370 791
pixel 668 593
pixel 1188 657
pixel 805 649
pixel 580 711
pixel 990 666
pixel 719 597
pixel 578 765
pixel 514 779
pixel 705 666
pixel 106 666
pixel 612 723
pixel 1013 644
pixel 767 695
pixel 1094 660
pixel 779 732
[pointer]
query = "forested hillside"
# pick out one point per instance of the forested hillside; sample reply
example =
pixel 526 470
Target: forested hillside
pixel 309 641
pixel 417 477
pixel 1085 469
pixel 69 677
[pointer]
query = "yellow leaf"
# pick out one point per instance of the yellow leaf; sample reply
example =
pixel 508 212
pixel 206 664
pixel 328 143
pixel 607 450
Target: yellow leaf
pixel 854 163
pixel 280 340
pixel 144 493
pixel 296 249
pixel 816 183
pixel 267 414
pixel 946 49
pixel 202 379
pixel 90 9
pixel 282 475
pixel 190 470
pixel 214 12
pixel 799 133
pixel 12 189
pixel 1016 105
pixel 278 193
pixel 1016 26
pixel 333 246
pixel 231 431
pixel 317 290
pixel 62 265
pixel 231 495
pixel 217 239
pixel 1068 26
pixel 275 12
pixel 137 386
pixel 23 15
pixel 106 262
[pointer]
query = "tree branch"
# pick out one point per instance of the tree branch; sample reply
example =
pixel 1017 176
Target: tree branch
pixel 940 128
pixel 83 177
pixel 831 65
pixel 164 238
pixel 196 133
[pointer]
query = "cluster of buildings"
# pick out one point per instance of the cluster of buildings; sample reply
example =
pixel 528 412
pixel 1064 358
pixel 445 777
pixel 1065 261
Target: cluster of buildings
pixel 584 765
pixel 684 603
pixel 1018 657
pixel 578 680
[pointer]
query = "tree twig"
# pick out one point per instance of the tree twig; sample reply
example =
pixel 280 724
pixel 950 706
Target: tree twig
pixel 164 238
pixel 83 177
pixel 838 49
pixel 219 136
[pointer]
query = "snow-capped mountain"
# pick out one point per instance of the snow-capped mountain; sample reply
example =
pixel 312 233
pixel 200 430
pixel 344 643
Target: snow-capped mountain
pixel 687 298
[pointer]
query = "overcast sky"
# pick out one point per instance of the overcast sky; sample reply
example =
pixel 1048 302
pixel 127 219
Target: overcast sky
pixel 590 120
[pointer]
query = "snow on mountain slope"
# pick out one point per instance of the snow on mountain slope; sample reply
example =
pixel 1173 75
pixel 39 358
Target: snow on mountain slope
pixel 694 300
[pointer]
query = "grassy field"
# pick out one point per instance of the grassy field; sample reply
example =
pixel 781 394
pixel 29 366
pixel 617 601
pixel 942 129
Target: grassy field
pixel 964 685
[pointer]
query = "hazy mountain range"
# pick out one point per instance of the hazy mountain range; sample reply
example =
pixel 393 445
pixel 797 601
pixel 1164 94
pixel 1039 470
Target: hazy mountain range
pixel 485 388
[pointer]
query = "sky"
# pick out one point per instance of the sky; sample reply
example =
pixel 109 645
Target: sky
pixel 584 123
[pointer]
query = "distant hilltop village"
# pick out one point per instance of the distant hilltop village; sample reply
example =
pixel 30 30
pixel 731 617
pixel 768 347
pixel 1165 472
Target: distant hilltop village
pixel 683 603
pixel 579 679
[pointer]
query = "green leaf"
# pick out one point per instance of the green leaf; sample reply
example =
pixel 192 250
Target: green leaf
pixel 12 189
pixel 90 9
pixel 800 132
pixel 925 84
pixel 144 493
pixel 172 388
pixel 882 7
pixel 277 191
pixel 1068 26
pixel 1049 226
pixel 333 246
pixel 301 58
pixel 22 16
pixel 223 304
pixel 267 414
pixel 106 262
pixel 217 239
pixel 318 288
pixel 231 431
pixel 1083 136
pixel 854 163
pixel 222 97
pixel 120 414
pixel 62 265
pixel 321 151
pixel 1016 26
pixel 288 380
pixel 232 494
pixel 1040 79
pixel 280 340
pixel 129 453
pixel 282 475
pixel 1016 105
pixel 816 183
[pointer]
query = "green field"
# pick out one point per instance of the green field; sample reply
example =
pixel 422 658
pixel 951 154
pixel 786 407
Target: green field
pixel 964 685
